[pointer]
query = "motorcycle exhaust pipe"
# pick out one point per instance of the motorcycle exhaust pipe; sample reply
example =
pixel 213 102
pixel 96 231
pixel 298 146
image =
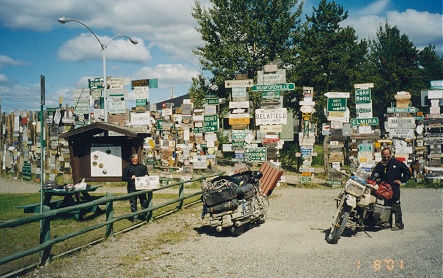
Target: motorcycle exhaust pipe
pixel 240 223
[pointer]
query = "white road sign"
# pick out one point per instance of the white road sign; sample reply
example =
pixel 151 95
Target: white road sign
pixel 82 94
pixel 271 78
pixel 337 94
pixel 239 104
pixel 364 86
pixel 399 122
pixel 271 116
pixel 115 83
pixel 307 109
pixel 141 92
pixel 113 93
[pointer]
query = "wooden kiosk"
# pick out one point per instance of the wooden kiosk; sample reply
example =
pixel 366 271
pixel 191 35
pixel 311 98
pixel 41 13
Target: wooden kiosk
pixel 100 151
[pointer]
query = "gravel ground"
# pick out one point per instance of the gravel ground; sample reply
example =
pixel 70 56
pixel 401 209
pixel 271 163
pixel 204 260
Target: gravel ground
pixel 290 244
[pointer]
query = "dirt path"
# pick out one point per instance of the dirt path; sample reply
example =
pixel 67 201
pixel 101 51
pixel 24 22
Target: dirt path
pixel 290 244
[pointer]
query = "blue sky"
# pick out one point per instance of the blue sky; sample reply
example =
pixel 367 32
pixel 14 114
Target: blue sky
pixel 34 43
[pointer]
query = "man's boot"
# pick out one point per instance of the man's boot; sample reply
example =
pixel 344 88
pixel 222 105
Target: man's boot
pixel 397 220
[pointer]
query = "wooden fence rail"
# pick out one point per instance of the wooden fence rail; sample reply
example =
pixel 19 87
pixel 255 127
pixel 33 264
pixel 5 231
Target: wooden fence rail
pixel 46 242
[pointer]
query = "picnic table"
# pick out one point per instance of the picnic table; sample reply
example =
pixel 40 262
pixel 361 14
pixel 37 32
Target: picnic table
pixel 70 198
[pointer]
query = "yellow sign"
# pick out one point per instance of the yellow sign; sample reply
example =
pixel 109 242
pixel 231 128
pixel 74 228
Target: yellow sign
pixel 306 117
pixel 239 121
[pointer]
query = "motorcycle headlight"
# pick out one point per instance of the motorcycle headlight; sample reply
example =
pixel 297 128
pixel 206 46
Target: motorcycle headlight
pixel 354 188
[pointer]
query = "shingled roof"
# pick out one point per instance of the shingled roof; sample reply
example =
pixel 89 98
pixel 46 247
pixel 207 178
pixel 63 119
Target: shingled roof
pixel 100 127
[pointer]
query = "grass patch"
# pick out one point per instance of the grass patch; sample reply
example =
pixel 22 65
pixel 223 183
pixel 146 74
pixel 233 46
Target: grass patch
pixel 27 236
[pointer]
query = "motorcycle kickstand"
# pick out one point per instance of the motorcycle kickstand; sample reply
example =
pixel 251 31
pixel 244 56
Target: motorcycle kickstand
pixel 366 233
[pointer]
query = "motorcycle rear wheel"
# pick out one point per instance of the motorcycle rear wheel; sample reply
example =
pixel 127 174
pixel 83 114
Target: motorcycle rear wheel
pixel 338 227
pixel 235 231
pixel 265 202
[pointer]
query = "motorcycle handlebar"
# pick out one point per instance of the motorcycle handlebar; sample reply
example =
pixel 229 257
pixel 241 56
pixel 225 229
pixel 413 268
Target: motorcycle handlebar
pixel 373 186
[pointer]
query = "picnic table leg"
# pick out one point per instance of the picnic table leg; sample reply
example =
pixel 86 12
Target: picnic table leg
pixel 86 196
pixel 47 199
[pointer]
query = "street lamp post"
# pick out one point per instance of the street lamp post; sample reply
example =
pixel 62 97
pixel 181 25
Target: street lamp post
pixel 103 46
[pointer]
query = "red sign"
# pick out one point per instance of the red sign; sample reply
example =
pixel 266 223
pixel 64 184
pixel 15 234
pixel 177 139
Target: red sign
pixel 270 140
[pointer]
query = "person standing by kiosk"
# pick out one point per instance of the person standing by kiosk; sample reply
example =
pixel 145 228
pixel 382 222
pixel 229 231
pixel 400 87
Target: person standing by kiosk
pixel 395 173
pixel 132 171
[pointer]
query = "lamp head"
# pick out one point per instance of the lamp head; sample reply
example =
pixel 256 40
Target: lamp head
pixel 134 41
pixel 63 20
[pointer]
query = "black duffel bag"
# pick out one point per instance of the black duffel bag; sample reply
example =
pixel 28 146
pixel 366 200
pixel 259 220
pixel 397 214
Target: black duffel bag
pixel 220 195
pixel 246 191
pixel 230 205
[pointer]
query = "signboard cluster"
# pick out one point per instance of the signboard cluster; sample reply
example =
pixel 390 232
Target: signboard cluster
pixel 306 138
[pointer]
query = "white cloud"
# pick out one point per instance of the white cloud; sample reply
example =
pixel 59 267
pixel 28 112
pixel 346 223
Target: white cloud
pixel 167 25
pixel 8 61
pixel 86 47
pixel 3 78
pixel 168 74
pixel 422 28
pixel 377 7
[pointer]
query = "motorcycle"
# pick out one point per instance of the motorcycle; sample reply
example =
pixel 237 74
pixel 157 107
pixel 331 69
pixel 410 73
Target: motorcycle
pixel 232 201
pixel 360 204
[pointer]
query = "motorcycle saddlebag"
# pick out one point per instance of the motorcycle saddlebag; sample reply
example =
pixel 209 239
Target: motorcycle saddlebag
pixel 230 205
pixel 218 196
pixel 384 211
pixel 246 191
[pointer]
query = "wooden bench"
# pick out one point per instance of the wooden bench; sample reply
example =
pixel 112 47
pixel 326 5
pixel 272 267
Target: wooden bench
pixel 35 208
pixel 271 176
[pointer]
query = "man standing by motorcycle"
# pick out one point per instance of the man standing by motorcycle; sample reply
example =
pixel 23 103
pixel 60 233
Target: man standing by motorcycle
pixel 395 173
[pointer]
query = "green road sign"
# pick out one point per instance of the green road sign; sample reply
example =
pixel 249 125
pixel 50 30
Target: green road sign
pixel 255 154
pixel 140 102
pixel 153 83
pixel 270 95
pixel 274 87
pixel 96 83
pixel 240 144
pixel 306 179
pixel 337 104
pixel 238 134
pixel 363 96
pixel 364 121
pixel 211 101
pixel 210 123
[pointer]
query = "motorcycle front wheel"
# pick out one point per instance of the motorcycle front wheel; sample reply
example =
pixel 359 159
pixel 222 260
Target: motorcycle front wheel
pixel 338 227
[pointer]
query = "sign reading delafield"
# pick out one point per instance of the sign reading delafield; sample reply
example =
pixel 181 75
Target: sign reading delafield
pixel 271 116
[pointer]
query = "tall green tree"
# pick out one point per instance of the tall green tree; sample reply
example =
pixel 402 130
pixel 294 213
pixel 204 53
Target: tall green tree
pixel 329 58
pixel 240 36
pixel 431 65
pixel 198 90
pixel 393 66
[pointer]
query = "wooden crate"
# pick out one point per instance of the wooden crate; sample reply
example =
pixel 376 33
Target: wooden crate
pixel 271 176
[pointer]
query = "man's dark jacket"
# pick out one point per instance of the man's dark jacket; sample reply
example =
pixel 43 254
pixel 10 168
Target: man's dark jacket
pixel 138 170
pixel 393 170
